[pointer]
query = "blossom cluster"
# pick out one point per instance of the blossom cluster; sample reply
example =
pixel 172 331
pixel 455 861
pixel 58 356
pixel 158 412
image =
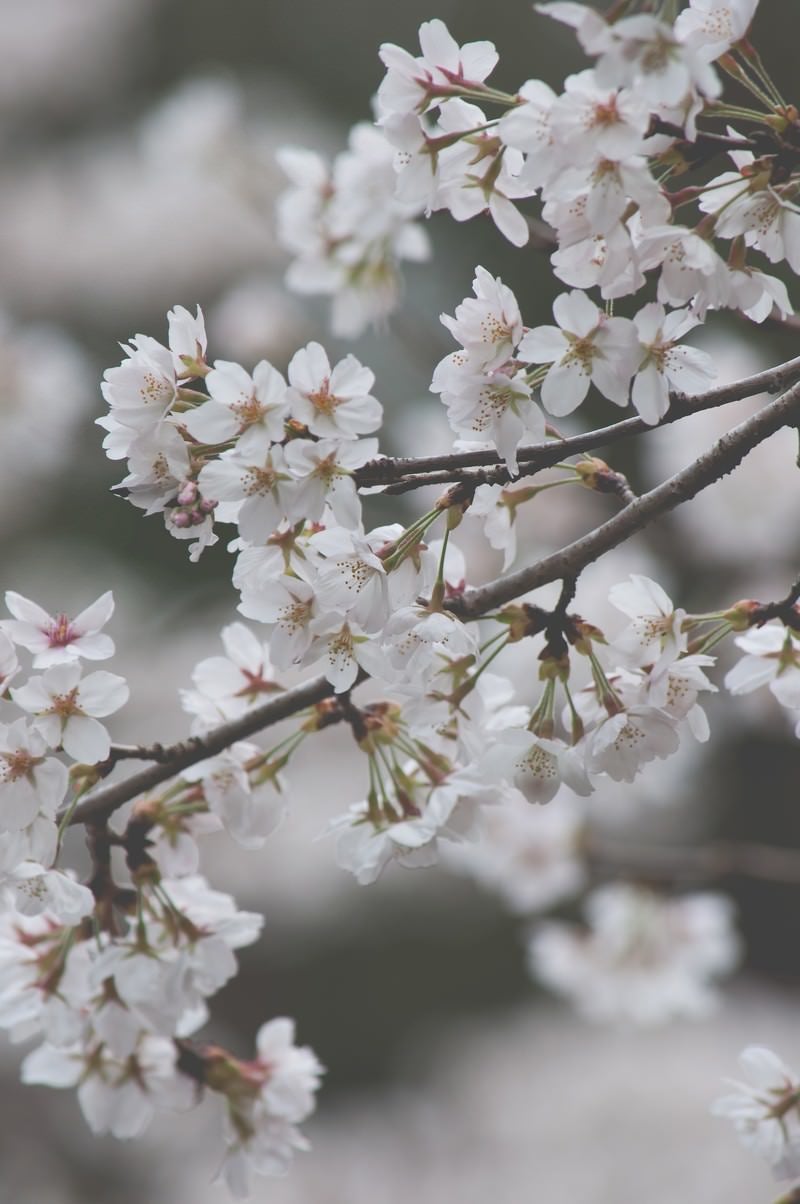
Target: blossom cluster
pixel 600 155
pixel 114 975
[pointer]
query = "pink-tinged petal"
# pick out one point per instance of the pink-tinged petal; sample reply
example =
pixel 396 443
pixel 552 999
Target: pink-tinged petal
pixel 102 693
pixel 309 367
pixel 750 673
pixel 650 394
pixel 243 647
pixel 509 220
pixel 52 1067
pixel 564 388
pixel 26 635
pixel 95 647
pixel 689 369
pixel 26 610
pixel 576 313
pixel 438 45
pixel 96 615
pixel 211 422
pixel 85 740
pixel 610 378
pixel 543 345
pixel 351 379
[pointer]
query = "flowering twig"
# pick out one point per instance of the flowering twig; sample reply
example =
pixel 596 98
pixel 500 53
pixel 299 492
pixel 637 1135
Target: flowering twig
pixel 175 757
pixel 567 563
pixel 716 463
pixel 401 473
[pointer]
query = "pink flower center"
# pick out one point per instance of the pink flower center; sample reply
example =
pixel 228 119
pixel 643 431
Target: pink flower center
pixel 61 632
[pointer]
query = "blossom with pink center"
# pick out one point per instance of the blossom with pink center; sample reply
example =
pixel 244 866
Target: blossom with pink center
pixel 489 326
pixel 250 408
pixel 586 347
pixel 332 402
pixel 410 83
pixel 67 709
pixel 54 639
pixel 324 471
pixel 666 365
pixel 30 781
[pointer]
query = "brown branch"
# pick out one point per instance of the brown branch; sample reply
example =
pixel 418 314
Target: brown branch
pixel 722 859
pixel 714 464
pixel 399 469
pixel 564 565
pixel 106 799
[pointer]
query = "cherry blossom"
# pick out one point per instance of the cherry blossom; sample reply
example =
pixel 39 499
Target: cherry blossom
pixel 67 708
pixel 30 782
pixel 586 347
pixel 56 639
pixel 334 403
pixel 628 739
pixel 253 408
pixel 772 657
pixel 765 1111
pixel 415 84
pixel 644 959
pixel 666 365
pixel 712 26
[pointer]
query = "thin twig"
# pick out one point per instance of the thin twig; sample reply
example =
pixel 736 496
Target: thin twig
pixel 104 800
pixel 395 470
pixel 716 463
pixel 564 565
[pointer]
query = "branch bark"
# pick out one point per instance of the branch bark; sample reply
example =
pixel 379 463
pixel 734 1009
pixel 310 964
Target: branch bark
pixel 565 564
pixel 716 463
pixel 401 473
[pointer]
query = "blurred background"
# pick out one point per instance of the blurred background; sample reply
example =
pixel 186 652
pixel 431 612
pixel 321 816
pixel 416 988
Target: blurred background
pixel 137 141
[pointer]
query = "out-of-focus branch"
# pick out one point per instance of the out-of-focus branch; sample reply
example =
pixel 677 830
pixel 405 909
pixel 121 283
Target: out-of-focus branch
pixel 716 463
pixel 722 859
pixel 403 473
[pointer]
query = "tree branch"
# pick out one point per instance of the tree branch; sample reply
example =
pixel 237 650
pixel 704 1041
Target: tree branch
pixel 398 469
pixel 175 757
pixel 716 463
pixel 564 565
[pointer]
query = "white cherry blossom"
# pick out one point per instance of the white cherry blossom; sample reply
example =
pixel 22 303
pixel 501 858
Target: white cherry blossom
pixel 772 657
pixel 586 347
pixel 710 27
pixel 644 959
pixel 766 1110
pixel 665 364
pixel 250 408
pixel 622 743
pixel 67 708
pixel 54 639
pixel 410 83
pixel 332 402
